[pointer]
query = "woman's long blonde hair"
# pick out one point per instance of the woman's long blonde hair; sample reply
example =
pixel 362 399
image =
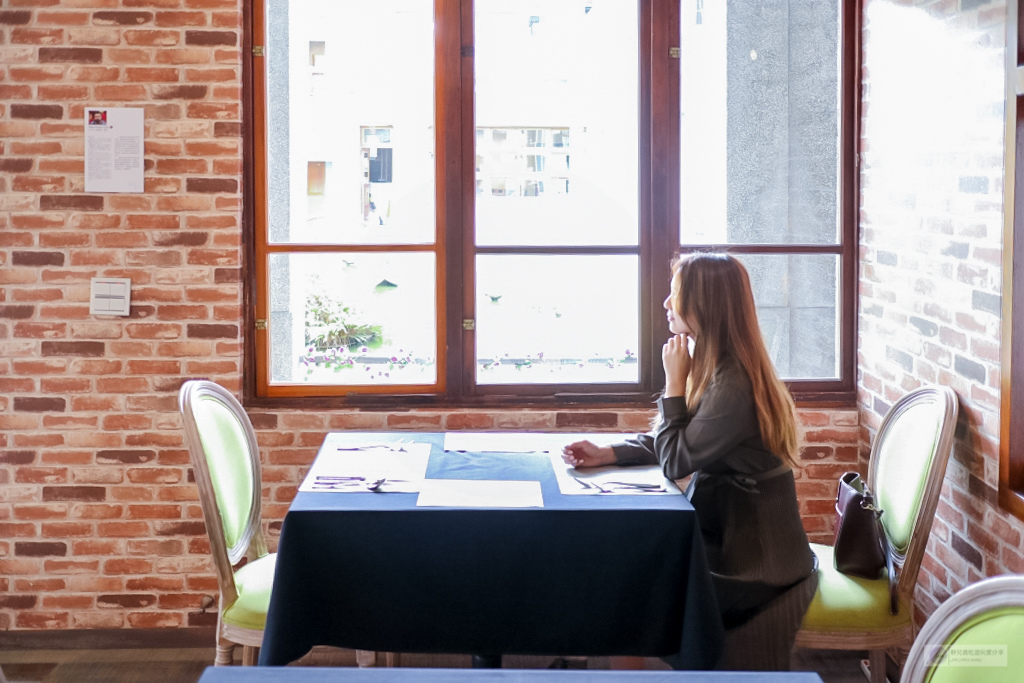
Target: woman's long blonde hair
pixel 712 293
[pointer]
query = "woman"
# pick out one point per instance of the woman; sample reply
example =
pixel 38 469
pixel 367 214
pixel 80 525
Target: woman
pixel 726 418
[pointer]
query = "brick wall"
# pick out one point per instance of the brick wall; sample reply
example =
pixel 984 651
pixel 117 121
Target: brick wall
pixel 931 249
pixel 99 521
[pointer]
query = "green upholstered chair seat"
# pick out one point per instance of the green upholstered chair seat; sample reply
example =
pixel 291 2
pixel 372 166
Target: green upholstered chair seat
pixel 849 603
pixel 1002 630
pixel 253 582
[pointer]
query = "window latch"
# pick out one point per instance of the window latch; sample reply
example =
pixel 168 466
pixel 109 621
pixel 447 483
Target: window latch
pixel 261 324
pixel 469 324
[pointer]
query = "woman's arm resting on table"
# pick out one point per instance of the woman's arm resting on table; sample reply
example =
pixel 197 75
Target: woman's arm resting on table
pixel 587 454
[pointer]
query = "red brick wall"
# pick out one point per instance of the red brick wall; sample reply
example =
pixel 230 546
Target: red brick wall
pixel 931 249
pixel 99 521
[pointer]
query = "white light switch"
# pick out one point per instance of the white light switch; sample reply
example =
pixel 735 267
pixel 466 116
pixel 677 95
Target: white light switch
pixel 110 296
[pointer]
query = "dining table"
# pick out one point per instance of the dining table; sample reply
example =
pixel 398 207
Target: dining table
pixel 488 545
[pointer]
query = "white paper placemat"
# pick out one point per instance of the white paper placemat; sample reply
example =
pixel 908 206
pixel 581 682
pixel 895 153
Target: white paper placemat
pixel 480 493
pixel 348 471
pixel 590 481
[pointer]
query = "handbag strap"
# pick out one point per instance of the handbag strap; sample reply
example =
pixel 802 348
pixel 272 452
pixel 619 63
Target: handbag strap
pixel 890 568
pixel 894 598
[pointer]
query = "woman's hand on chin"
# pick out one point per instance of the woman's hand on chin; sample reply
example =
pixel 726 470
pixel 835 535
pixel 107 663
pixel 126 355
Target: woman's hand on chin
pixel 587 454
pixel 675 356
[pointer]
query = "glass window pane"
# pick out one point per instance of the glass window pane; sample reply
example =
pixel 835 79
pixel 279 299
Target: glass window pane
pixel 557 319
pixel 759 126
pixel 350 93
pixel 353 318
pixel 798 309
pixel 557 121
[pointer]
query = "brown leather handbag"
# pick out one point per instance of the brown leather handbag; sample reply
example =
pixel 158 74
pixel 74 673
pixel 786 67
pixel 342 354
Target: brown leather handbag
pixel 861 546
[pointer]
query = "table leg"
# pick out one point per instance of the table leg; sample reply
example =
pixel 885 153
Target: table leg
pixel 486 661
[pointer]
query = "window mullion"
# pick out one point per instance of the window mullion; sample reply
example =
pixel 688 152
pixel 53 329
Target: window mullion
pixel 450 105
pixel 465 339
pixel 660 98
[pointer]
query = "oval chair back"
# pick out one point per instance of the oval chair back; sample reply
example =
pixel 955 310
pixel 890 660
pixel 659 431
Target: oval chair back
pixel 976 635
pixel 906 471
pixel 225 458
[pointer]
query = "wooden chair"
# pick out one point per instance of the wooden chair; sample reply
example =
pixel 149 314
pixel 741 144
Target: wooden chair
pixel 226 461
pixel 984 621
pixel 905 471
pixel 225 458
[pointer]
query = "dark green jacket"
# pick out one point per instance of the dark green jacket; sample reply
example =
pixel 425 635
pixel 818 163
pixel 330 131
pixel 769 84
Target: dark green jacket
pixel 752 529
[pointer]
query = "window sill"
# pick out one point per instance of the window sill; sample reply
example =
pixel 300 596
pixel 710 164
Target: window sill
pixel 405 403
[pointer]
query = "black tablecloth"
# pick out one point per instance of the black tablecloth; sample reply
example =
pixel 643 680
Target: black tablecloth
pixel 584 575
pixel 304 674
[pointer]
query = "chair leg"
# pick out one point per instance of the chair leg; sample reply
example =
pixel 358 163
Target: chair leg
pixel 225 653
pixel 250 655
pixel 876 659
pixel 365 658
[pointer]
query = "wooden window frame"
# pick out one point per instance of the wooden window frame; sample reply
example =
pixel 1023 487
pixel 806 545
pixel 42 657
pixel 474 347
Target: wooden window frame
pixel 659 177
pixel 1011 427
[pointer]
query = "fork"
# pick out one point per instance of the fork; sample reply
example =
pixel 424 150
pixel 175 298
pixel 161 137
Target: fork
pixel 637 485
pixel 582 483
pixel 591 485
pixel 377 484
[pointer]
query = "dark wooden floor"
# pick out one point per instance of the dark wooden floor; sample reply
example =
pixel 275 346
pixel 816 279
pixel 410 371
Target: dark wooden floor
pixel 185 665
